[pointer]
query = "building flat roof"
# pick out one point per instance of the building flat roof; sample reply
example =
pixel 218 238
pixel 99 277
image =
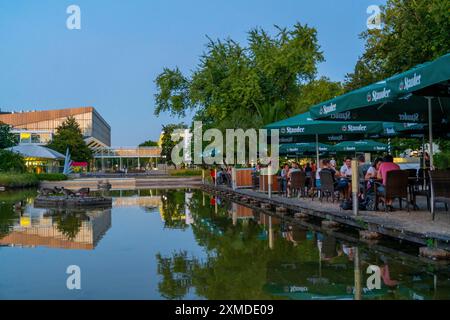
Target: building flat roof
pixel 24 117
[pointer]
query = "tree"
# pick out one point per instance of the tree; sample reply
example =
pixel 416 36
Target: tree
pixel 413 32
pixel 236 86
pixel 149 143
pixel 317 91
pixel 166 142
pixel 68 135
pixel 7 139
pixel 11 162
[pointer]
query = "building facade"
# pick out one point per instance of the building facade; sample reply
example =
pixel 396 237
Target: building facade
pixel 39 126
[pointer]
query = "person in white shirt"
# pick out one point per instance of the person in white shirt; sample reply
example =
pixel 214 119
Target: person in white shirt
pixel 346 169
pixel 345 172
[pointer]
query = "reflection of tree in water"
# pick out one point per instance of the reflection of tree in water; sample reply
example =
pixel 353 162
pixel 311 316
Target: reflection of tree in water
pixel 69 223
pixel 240 265
pixel 237 260
pixel 8 216
pixel 173 209
pixel 176 272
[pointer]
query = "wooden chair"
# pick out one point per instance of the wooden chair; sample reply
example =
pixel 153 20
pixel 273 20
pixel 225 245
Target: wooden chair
pixel 298 180
pixel 440 188
pixel 396 186
pixel 326 186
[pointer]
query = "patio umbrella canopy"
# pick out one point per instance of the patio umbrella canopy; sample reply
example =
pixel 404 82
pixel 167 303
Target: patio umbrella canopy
pixel 300 148
pixel 421 94
pixel 400 98
pixel 304 125
pixel 361 146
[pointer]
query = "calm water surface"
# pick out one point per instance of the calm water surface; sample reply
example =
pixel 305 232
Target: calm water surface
pixel 185 244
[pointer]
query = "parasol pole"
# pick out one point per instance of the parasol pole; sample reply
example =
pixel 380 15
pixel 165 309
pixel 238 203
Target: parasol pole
pixel 430 131
pixel 317 151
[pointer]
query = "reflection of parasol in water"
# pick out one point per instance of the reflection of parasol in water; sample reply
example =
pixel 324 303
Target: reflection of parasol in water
pixel 319 279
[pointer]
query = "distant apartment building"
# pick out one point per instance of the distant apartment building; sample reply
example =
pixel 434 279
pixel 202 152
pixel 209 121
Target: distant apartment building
pixel 39 126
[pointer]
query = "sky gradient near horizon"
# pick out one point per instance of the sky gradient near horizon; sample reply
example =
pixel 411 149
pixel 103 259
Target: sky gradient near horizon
pixel 111 63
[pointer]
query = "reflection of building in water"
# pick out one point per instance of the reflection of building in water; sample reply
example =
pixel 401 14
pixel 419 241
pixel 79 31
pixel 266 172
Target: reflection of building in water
pixel 137 201
pixel 45 230
pixel 239 212
pixel 242 212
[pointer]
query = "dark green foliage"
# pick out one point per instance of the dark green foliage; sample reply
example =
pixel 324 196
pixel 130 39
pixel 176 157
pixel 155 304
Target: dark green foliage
pixel 11 162
pixel 18 180
pixel 51 177
pixel 413 32
pixel 235 86
pixel 149 143
pixel 167 144
pixel 7 139
pixel 68 135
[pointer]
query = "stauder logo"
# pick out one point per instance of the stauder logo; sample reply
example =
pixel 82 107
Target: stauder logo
pixel 328 108
pixel 341 115
pixel 354 128
pixel 408 83
pixel 291 130
pixel 409 117
pixel 378 95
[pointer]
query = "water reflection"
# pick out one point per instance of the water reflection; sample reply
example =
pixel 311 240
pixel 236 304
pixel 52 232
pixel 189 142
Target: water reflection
pixel 205 247
pixel 256 256
pixel 62 229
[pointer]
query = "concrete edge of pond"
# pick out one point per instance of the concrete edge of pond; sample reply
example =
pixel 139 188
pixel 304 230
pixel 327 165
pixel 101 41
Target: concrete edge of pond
pixel 382 226
pixel 126 183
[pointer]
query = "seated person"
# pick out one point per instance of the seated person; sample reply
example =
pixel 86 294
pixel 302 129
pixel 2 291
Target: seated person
pixel 308 175
pixel 386 166
pixel 345 173
pixel 327 167
pixel 372 174
pixel 363 167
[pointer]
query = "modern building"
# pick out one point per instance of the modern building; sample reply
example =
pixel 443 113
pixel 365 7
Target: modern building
pixel 122 158
pixel 38 127
pixel 39 158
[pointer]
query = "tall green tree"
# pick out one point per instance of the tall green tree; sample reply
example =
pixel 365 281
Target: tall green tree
pixel 166 142
pixel 413 32
pixel 243 86
pixel 7 139
pixel 68 135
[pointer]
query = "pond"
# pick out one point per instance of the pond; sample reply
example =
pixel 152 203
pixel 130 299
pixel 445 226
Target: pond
pixel 187 244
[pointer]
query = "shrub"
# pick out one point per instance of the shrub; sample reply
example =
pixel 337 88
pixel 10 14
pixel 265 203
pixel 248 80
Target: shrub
pixel 18 180
pixel 442 160
pixel 185 173
pixel 11 162
pixel 51 177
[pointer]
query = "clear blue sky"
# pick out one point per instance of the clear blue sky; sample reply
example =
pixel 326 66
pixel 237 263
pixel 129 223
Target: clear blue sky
pixel 112 61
